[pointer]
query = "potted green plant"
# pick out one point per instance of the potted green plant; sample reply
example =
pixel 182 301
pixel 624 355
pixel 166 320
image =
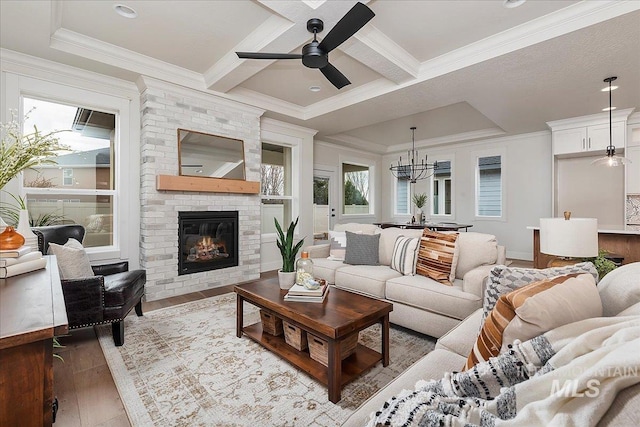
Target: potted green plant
pixel 287 274
pixel 419 199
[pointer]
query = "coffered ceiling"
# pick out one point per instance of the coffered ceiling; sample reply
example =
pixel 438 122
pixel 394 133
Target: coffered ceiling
pixel 458 70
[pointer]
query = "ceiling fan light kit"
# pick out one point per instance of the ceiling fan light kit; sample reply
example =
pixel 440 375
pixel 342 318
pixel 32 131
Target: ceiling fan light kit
pixel 316 54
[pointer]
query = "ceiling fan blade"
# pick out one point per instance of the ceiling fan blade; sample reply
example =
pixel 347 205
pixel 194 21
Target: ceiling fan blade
pixel 261 55
pixel 350 23
pixel 334 76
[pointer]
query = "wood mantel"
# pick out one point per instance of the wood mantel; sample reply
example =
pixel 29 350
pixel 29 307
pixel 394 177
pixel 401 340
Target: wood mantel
pixel 208 185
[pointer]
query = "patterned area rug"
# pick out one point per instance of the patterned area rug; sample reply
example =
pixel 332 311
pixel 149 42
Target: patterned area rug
pixel 184 366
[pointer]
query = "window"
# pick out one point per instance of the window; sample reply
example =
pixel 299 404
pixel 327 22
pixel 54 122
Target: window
pixel 441 186
pixel 403 207
pixel 355 185
pixel 275 188
pixel 489 186
pixel 79 187
pixel 67 177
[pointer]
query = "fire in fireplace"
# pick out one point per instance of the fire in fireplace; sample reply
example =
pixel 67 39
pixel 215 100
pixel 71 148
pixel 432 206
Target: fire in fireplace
pixel 207 241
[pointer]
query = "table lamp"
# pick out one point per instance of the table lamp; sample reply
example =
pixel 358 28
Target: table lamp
pixel 570 239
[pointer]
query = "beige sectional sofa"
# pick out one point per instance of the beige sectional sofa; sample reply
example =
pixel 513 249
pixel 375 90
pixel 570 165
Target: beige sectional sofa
pixel 620 295
pixel 419 303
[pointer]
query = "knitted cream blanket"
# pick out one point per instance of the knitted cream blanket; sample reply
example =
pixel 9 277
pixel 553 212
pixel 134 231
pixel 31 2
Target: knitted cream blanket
pixel 568 376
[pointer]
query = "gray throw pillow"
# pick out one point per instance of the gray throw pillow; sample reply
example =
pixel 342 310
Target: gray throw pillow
pixel 362 249
pixel 503 280
pixel 73 261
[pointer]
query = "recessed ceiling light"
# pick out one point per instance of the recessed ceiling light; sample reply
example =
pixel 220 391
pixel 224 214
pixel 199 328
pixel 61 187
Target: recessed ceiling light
pixel 606 89
pixel 609 108
pixel 510 4
pixel 314 88
pixel 125 11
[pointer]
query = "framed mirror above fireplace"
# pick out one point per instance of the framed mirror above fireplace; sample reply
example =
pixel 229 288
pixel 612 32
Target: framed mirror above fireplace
pixel 210 156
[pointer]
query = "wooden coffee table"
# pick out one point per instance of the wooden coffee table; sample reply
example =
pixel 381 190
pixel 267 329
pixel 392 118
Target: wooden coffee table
pixel 339 316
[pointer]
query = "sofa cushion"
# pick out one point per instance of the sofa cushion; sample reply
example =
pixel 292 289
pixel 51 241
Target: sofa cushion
pixel 620 288
pixel 503 280
pixel 388 238
pixel 534 309
pixel 362 249
pixel 405 255
pixel 121 288
pixel 430 295
pixel 437 256
pixel 475 249
pixel 366 279
pixel 73 261
pixel 461 339
pixel 324 268
pixel 634 310
pixel 432 366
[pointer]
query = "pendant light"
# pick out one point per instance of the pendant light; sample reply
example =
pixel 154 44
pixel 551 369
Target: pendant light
pixel 413 170
pixel 611 159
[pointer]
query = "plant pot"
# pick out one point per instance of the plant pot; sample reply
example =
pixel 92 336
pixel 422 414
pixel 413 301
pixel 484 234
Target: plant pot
pixel 286 279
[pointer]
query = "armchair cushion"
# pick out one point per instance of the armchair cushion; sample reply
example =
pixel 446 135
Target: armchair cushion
pixel 106 269
pixel 73 261
pixel 123 287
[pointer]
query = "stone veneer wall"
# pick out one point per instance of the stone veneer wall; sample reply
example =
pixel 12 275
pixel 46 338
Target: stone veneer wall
pixel 164 109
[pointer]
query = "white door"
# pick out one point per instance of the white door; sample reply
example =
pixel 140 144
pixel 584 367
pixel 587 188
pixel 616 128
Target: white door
pixel 324 199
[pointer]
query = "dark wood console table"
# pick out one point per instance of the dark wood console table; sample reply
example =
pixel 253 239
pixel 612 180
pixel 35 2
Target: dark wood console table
pixel 436 226
pixel 32 312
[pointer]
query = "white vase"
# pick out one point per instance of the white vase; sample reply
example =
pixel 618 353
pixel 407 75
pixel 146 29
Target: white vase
pixel 286 279
pixel 30 239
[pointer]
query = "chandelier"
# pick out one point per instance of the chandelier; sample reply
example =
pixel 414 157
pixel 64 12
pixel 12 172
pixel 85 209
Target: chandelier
pixel 610 159
pixel 412 170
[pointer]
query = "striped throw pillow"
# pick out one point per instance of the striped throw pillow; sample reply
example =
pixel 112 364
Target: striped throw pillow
pixel 405 255
pixel 534 309
pixel 437 256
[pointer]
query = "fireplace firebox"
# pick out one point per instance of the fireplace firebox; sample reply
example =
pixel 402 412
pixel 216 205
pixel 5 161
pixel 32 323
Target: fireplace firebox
pixel 207 241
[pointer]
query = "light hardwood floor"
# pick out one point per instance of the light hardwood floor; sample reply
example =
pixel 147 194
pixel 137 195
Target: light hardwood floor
pixel 83 384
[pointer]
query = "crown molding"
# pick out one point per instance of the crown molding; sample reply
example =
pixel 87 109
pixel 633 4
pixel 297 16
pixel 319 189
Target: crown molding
pixel 447 139
pixel 592 119
pixel 267 102
pixel 357 143
pixel 144 82
pixel 356 151
pixel 78 44
pixel 31 66
pixel 273 125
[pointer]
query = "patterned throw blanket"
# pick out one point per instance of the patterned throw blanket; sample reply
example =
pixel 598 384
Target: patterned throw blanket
pixel 568 376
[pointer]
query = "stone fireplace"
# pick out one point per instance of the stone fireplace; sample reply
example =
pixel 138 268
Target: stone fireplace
pixel 207 241
pixel 166 107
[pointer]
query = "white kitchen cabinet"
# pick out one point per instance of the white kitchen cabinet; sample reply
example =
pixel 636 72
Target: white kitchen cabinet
pixel 633 170
pixel 588 138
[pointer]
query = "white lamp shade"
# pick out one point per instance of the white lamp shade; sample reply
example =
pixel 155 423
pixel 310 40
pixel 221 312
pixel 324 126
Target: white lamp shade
pixel 573 238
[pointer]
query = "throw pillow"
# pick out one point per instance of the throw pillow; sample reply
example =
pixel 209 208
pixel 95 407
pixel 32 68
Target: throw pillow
pixel 73 261
pixel 437 256
pixel 503 279
pixel 362 249
pixel 405 255
pixel 337 245
pixel 619 288
pixel 533 310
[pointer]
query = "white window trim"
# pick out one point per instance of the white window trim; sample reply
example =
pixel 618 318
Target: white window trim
pixel 440 158
pixel 503 173
pixel 63 177
pixel 18 86
pixel 357 161
pixel 394 186
pixel 295 145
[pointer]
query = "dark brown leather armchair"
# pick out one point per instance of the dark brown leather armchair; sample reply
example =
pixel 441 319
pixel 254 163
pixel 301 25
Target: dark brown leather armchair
pixel 105 298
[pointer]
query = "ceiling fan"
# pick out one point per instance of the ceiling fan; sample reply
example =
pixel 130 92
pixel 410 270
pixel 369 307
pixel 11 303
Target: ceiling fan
pixel 316 54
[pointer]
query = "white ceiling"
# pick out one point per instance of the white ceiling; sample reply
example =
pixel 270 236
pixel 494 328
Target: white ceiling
pixel 458 70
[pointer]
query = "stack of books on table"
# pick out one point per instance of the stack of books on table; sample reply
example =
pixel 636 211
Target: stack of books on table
pixel 19 261
pixel 299 293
